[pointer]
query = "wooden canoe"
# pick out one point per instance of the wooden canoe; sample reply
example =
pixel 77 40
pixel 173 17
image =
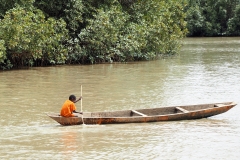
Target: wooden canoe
pixel 173 113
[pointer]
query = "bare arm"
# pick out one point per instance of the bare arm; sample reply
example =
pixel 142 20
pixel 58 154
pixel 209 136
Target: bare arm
pixel 77 112
pixel 78 100
pixel 74 111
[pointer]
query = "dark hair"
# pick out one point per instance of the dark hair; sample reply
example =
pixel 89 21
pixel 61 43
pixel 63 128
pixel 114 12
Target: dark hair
pixel 72 98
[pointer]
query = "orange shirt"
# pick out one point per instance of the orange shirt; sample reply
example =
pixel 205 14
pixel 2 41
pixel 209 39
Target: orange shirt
pixel 67 109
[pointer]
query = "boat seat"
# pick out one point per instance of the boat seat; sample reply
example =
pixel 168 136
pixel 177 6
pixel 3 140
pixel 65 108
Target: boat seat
pixel 139 113
pixel 219 105
pixel 182 110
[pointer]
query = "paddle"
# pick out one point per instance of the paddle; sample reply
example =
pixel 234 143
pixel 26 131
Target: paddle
pixel 81 98
pixel 81 105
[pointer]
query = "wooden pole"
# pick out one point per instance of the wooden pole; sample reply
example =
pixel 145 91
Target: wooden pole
pixel 81 105
pixel 81 98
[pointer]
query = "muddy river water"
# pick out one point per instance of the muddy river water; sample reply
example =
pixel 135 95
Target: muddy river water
pixel 207 70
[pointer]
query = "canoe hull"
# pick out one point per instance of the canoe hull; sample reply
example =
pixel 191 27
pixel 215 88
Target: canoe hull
pixel 174 113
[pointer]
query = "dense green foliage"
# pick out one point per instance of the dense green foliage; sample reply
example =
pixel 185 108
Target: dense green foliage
pixel 30 39
pixel 234 23
pixel 213 17
pixel 140 32
pixel 42 32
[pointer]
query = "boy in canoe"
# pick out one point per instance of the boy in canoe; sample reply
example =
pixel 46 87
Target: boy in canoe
pixel 69 107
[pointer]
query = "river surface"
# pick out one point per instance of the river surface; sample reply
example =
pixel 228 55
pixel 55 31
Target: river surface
pixel 207 70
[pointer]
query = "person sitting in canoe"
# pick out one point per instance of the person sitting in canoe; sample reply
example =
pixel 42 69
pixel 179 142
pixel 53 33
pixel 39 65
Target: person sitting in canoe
pixel 69 107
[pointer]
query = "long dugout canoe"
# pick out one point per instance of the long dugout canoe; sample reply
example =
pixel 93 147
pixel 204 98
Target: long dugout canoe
pixel 172 113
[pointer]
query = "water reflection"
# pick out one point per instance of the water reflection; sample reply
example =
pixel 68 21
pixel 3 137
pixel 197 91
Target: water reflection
pixel 69 144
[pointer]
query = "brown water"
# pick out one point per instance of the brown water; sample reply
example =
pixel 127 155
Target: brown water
pixel 207 70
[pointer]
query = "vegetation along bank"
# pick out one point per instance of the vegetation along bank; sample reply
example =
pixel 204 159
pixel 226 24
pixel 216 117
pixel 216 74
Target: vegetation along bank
pixel 42 32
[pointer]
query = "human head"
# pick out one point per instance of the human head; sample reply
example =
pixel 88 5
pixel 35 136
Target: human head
pixel 72 98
